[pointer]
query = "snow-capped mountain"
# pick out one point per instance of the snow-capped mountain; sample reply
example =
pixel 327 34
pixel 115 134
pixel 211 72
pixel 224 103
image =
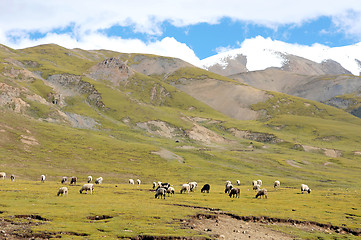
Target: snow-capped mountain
pixel 260 53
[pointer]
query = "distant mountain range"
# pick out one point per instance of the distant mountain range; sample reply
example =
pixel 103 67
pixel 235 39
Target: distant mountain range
pixel 260 54
pixel 333 80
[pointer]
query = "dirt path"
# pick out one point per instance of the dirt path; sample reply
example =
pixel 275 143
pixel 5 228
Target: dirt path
pixel 226 227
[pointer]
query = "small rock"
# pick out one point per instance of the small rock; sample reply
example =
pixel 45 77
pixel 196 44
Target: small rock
pixel 222 236
pixel 2 231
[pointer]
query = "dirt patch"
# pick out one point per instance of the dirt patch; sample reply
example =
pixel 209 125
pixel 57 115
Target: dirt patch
pixel 12 229
pixel 293 163
pixel 148 237
pixel 100 217
pixel 168 155
pixel 328 152
pixel 29 217
pixel 226 227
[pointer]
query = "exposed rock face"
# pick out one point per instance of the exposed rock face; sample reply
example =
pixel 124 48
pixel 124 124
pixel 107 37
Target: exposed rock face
pixel 112 69
pixel 255 136
pixel 161 128
pixel 157 65
pixel 10 98
pixel 229 98
pixel 74 83
pixel 234 65
pixel 304 66
pixel 340 102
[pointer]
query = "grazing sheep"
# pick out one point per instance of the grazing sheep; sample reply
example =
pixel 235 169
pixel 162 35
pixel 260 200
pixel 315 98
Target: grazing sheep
pixel 42 178
pixel 170 190
pixel 165 185
pixel 256 187
pixel 228 182
pixel 193 186
pixel 185 188
pixel 154 184
pixel 131 181
pixel 160 192
pixel 64 180
pixel 238 182
pixel 228 188
pixel 73 180
pixel 86 187
pixel 90 178
pixel 2 175
pixel 305 188
pixel 12 177
pixel 159 184
pixel 261 192
pixel 254 183
pixel 276 184
pixel 138 181
pixel 99 180
pixel 62 191
pixel 259 182
pixel 235 192
pixel 206 187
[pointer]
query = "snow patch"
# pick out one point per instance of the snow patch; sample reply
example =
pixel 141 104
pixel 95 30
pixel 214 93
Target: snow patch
pixel 263 53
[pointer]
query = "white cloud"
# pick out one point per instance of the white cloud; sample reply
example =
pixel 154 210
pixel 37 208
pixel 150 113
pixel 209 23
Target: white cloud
pixel 166 47
pixel 145 15
pixel 18 18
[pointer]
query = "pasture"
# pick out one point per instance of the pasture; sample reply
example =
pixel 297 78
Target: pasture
pixel 119 210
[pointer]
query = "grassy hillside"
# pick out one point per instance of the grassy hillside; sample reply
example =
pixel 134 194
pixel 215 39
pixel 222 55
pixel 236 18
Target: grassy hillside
pixel 149 129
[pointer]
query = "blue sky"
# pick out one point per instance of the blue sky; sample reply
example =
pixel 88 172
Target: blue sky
pixel 191 30
pixel 207 39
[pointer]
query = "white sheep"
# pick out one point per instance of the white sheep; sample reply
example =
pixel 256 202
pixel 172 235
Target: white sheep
pixel 193 186
pixel 305 188
pixel 86 187
pixel 228 182
pixel 131 181
pixel 12 177
pixel 276 184
pixel 154 185
pixel 185 188
pixel 62 191
pixel 2 175
pixel 238 182
pixel 99 180
pixel 64 180
pixel 170 190
pixel 254 183
pixel 42 178
pixel 160 192
pixel 229 186
pixel 259 182
pixel 138 181
pixel 90 178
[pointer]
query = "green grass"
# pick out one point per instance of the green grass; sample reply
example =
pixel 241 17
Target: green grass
pixel 135 211
pixel 119 150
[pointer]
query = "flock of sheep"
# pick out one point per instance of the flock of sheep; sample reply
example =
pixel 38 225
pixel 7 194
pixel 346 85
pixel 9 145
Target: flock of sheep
pixel 161 189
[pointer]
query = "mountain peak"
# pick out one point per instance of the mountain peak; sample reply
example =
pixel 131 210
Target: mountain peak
pixel 261 53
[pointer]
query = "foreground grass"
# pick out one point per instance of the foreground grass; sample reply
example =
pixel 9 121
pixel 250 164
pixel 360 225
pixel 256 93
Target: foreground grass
pixel 135 211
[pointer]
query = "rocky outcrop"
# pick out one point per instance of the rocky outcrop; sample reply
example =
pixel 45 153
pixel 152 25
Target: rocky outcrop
pixel 155 65
pixel 255 136
pixel 112 69
pixel 75 83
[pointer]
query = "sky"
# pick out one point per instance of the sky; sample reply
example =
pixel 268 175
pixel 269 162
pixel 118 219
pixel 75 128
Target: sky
pixel 188 29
